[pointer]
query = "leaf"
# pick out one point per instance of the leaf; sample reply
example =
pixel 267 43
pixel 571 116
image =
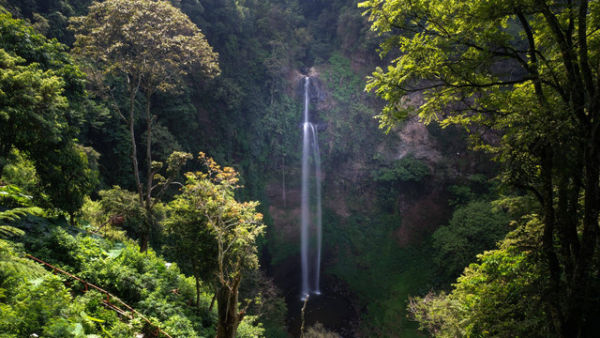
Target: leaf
pixel 116 252
pixel 78 330
pixel 85 315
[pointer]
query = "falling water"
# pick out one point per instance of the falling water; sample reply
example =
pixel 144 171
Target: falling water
pixel 310 134
pixel 319 216
pixel 305 217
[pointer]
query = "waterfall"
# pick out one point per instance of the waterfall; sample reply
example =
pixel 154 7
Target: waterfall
pixel 319 215
pixel 310 137
pixel 305 212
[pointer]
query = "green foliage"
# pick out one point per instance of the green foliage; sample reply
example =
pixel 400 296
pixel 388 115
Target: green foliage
pixel 348 117
pixel 209 198
pixel 461 193
pixel 379 272
pixel 12 261
pixel 280 132
pixel 31 100
pixel 248 118
pixel 250 328
pixel 19 205
pixel 150 42
pixel 20 171
pixel 68 178
pixel 499 296
pixel 217 235
pixel 35 308
pixel 267 303
pixel 484 65
pixel 319 331
pixel 143 280
pixel 406 169
pixel 193 243
pixel 151 45
pixel 403 177
pixel 34 301
pixel 13 196
pixel 48 17
pixel 125 204
pixel 122 209
pixel 41 94
pixel 472 229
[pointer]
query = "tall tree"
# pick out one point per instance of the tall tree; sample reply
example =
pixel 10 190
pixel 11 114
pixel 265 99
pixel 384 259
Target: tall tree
pixel 150 45
pixel 523 77
pixel 219 234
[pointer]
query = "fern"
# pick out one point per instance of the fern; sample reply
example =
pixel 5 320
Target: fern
pixel 13 263
pixel 11 195
pixel 14 214
pixel 8 231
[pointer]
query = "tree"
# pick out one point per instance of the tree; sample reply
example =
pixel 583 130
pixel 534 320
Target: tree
pixel 42 99
pixel 151 45
pixel 215 228
pixel 121 207
pixel 48 17
pixel 472 229
pixel 124 207
pixel 194 243
pixel 522 77
pixel 499 296
pixel 66 175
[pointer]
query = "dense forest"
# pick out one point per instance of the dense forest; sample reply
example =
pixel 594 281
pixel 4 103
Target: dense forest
pixel 299 168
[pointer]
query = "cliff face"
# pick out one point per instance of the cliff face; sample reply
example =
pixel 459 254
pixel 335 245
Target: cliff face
pixel 383 196
pixel 349 186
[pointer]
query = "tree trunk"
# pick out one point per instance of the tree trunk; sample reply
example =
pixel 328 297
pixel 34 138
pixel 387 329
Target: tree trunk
pixel 578 300
pixel 149 177
pixel 134 161
pixel 72 218
pixel 197 290
pixel 567 224
pixel 229 317
pixel 147 199
pixel 554 289
pixel 144 239
pixel 283 194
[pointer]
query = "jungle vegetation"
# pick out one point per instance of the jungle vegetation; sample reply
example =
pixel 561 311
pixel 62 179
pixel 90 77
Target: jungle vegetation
pixel 149 151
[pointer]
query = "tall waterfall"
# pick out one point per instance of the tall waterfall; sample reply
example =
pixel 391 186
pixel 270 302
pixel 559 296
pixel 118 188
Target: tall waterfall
pixel 310 146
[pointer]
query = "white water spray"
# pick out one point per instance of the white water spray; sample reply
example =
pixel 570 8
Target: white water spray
pixel 310 134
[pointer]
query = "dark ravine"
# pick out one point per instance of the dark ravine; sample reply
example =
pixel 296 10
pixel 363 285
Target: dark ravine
pixel 334 308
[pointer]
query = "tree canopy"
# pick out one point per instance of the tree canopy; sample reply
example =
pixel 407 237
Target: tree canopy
pixel 472 229
pixel 211 225
pixel 151 45
pixel 522 77
pixel 42 102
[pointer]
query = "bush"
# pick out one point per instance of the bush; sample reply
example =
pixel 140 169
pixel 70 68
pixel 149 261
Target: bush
pixel 472 229
pixel 499 296
pixel 407 169
pixel 142 280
